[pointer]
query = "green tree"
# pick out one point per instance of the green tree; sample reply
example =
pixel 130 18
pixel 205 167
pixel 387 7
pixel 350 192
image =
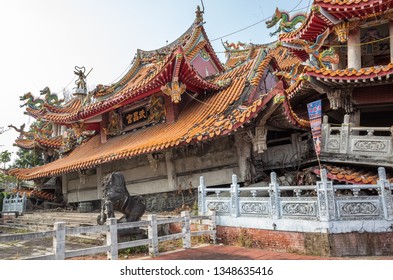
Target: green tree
pixel 28 158
pixel 5 157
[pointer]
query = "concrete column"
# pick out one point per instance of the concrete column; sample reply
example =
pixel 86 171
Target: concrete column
pixel 111 239
pixel 385 194
pixel 152 234
pixel 54 130
pixel 100 192
pixel 171 171
pixel 391 40
pixel 354 49
pixel 59 241
pixel 274 194
pixel 63 128
pixel 243 151
pixel 213 226
pixel 326 203
pixel 64 186
pixel 344 135
pixel 186 230
pixel 235 211
pixel 201 196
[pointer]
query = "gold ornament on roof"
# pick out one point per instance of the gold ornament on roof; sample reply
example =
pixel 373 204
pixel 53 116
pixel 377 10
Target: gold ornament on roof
pixel 174 90
pixel 341 31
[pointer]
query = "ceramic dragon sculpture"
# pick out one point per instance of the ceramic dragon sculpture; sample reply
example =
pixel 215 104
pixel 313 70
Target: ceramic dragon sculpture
pixel 318 58
pixel 50 98
pixel 32 102
pixel 287 23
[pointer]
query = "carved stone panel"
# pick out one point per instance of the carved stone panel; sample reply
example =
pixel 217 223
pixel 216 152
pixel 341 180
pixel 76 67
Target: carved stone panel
pixel 257 208
pixel 218 206
pixel 370 146
pixel 359 208
pixel 299 208
pixel 333 144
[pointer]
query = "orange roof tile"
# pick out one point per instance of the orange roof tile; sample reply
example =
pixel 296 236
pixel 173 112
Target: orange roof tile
pixel 342 2
pixel 203 118
pixel 374 71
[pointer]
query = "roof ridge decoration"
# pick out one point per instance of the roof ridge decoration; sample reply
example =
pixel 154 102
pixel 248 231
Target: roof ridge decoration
pixel 319 59
pixel 286 22
pixel 39 135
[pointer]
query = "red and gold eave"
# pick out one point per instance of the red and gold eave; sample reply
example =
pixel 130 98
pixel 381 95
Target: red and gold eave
pixel 212 115
pixel 348 9
pixel 326 14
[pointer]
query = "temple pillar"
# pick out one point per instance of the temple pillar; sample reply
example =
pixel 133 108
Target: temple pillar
pixel 103 124
pixel 100 191
pixel 391 39
pixel 243 151
pixel 64 186
pixel 354 49
pixel 171 170
pixel 54 130
pixel 171 109
pixel 355 118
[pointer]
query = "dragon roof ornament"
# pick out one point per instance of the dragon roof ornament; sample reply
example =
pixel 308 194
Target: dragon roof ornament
pixel 286 22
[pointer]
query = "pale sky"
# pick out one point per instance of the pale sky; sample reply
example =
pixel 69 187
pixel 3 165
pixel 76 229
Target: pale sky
pixel 41 41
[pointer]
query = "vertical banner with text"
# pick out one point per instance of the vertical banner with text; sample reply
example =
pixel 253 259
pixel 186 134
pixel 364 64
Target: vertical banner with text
pixel 315 115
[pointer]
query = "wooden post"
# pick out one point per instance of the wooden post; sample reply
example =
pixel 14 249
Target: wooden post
pixel 111 239
pixel 153 235
pixel 186 230
pixel 59 241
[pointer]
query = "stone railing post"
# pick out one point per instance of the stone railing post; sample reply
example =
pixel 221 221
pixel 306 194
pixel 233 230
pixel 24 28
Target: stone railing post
pixel 274 194
pixel 111 239
pixel 325 133
pixel 186 230
pixel 24 202
pixel 385 193
pixel 59 241
pixel 235 212
pixel 212 226
pixel 344 135
pixel 4 204
pixel 201 197
pixel 326 203
pixel 152 234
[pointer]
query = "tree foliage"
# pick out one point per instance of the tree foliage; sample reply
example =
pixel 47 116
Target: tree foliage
pixel 5 157
pixel 28 158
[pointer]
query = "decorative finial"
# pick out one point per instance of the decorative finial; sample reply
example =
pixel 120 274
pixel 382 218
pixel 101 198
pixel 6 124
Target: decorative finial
pixel 81 82
pixel 199 14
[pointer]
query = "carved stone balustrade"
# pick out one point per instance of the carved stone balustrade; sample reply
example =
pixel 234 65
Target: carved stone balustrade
pixel 357 144
pixel 318 208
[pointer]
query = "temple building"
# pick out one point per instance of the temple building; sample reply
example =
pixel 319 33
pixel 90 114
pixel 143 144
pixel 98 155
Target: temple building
pixel 180 113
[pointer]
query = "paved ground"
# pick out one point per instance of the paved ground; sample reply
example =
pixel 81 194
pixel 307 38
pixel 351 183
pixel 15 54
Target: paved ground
pixel 221 252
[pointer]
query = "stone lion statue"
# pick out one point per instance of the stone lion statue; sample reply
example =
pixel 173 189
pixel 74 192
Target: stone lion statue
pixel 117 198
